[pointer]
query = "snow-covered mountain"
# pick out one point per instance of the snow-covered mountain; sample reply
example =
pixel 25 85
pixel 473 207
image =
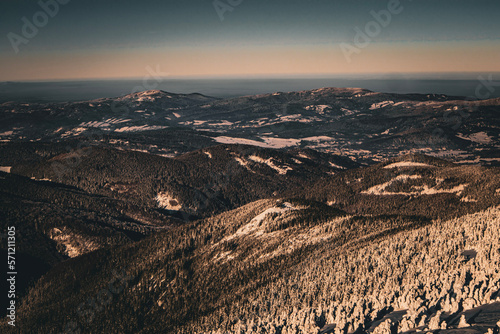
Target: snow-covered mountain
pixel 366 126
pixel 337 210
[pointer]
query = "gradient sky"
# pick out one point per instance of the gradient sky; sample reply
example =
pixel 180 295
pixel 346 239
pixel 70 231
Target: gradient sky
pixel 121 39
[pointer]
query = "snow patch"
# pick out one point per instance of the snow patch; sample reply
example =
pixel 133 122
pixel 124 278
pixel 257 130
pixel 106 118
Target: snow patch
pixel 381 105
pixel 274 142
pixel 149 92
pixel 298 118
pixel 468 199
pixel 168 202
pixel 318 138
pixel 281 170
pixel 221 123
pixel 44 179
pixel 140 128
pixel 318 108
pixel 5 169
pixel 95 124
pixel 407 164
pixel 348 112
pixel 75 245
pixel 73 132
pixel 269 142
pixel 335 165
pixel 425 190
pixel 116 120
pixel 380 189
pixel 302 155
pixel 255 225
pixel 241 161
pixel 478 137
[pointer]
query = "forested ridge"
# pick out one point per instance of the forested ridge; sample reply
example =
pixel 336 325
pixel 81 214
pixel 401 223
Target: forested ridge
pixel 289 245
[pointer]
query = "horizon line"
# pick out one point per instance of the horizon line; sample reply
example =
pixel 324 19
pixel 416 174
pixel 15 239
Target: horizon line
pixel 367 76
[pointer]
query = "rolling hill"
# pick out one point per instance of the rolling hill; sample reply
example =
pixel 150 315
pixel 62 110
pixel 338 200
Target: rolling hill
pixel 335 210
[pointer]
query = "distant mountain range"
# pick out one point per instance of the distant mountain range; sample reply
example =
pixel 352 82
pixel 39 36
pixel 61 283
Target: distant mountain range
pixel 324 211
pixel 363 125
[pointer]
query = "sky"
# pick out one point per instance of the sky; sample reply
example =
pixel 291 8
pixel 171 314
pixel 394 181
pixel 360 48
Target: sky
pixel 98 39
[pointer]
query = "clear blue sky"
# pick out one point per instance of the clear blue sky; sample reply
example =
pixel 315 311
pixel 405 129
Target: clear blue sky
pixel 105 39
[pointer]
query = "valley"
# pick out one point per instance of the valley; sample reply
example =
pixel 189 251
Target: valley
pixel 334 210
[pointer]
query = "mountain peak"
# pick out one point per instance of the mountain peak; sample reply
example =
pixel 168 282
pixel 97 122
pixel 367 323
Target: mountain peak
pixel 154 94
pixel 149 93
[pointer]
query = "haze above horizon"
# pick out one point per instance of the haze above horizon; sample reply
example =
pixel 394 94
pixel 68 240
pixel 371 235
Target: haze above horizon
pixel 76 40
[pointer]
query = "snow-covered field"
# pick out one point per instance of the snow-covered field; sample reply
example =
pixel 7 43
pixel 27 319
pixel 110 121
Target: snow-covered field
pixel 140 128
pixel 6 133
pixel 318 108
pixel 74 132
pixel 479 137
pixel 5 169
pixel 269 162
pixel 268 142
pixel 167 201
pixel 255 226
pixel 73 243
pixel 318 138
pixel 381 189
pixel 407 164
pixel 381 105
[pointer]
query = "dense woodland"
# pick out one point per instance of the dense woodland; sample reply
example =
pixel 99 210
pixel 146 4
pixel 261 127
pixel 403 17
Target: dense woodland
pixel 264 241
pixel 295 270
